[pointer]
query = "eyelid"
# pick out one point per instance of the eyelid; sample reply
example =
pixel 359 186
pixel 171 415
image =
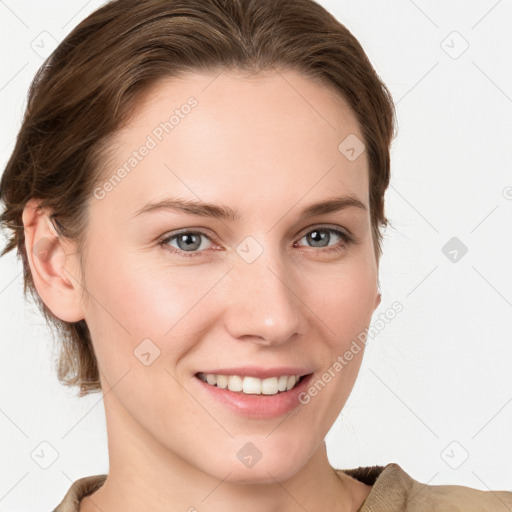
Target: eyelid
pixel 203 231
pixel 335 227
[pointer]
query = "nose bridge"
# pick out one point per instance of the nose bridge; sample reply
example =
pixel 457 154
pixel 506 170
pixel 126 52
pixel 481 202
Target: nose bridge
pixel 262 305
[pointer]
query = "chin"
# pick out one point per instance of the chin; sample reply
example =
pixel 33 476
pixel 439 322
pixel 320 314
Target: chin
pixel 261 473
pixel 262 461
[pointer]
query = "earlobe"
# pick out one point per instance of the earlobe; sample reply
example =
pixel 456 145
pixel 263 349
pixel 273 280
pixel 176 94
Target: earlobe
pixel 378 299
pixel 47 258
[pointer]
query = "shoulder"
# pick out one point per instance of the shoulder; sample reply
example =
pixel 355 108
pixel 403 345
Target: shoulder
pixel 78 490
pixel 394 489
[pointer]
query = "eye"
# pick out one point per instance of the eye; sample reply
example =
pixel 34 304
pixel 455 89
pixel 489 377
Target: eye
pixel 190 243
pixel 321 236
pixel 187 242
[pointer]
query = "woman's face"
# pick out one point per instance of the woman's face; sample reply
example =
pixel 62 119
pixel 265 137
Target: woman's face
pixel 269 293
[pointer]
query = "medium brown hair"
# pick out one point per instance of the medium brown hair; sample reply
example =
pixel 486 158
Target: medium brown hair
pixel 89 86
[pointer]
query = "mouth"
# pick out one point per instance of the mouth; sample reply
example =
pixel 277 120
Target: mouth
pixel 249 385
pixel 255 392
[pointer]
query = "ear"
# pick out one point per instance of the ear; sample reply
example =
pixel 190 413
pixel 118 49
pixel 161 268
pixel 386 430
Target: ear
pixel 378 299
pixel 53 264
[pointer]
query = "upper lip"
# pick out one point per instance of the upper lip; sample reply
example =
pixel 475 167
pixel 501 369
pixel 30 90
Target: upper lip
pixel 259 372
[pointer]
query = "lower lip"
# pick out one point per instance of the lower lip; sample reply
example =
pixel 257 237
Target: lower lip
pixel 258 406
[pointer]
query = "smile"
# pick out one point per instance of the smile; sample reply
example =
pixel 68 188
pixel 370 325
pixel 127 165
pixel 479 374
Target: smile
pixel 251 385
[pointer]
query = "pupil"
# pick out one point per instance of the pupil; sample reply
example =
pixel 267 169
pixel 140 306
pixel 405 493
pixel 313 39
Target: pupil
pixel 317 234
pixel 189 239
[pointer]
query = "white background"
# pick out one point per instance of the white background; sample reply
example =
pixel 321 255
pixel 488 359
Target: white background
pixel 435 386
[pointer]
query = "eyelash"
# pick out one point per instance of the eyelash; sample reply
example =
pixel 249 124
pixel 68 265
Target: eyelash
pixel 346 240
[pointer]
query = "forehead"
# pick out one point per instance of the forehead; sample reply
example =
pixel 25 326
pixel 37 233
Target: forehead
pixel 278 136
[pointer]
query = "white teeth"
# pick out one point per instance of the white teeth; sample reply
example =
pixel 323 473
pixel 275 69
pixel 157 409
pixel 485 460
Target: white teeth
pixel 235 383
pixel 251 385
pixel 269 386
pixel 222 381
pixel 290 383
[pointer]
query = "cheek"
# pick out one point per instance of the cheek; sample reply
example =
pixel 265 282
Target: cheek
pixel 143 323
pixel 134 301
pixel 343 298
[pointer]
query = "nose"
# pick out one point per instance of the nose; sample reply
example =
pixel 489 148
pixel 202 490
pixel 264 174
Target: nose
pixel 265 304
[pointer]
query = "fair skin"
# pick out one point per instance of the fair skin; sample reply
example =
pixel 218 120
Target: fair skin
pixel 261 148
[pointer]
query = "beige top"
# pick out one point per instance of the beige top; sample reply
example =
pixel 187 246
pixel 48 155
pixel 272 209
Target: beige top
pixel 393 490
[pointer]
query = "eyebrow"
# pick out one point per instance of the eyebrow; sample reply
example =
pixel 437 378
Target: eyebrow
pixel 226 213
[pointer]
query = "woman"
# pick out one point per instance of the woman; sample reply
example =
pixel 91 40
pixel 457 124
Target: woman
pixel 197 193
